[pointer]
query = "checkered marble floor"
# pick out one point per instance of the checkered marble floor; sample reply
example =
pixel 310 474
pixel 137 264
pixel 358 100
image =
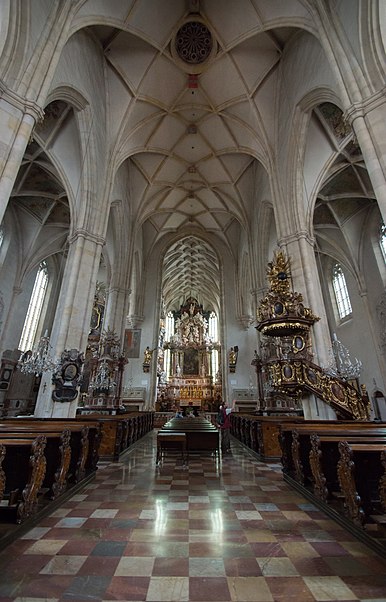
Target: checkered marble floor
pixel 227 529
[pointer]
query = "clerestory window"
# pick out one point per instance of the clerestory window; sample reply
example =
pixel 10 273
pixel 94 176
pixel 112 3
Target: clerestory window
pixel 35 307
pixel 382 240
pixel 341 293
pixel 213 327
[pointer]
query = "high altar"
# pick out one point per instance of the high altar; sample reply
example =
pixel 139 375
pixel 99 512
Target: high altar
pixel 189 379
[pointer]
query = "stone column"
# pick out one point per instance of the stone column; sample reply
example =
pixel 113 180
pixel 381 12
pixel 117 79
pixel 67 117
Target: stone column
pixel 116 309
pixel 305 280
pixel 17 120
pixel 72 320
pixel 368 119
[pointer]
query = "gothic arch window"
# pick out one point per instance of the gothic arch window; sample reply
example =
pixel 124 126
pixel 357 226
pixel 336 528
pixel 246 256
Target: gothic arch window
pixel 213 336
pixel 35 307
pixel 382 240
pixel 169 326
pixel 341 292
pixel 213 327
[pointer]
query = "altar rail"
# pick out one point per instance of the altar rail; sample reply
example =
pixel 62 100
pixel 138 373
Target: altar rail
pixel 341 467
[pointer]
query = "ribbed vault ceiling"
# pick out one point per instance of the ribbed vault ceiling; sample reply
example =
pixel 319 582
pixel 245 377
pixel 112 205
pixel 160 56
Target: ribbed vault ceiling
pixel 196 261
pixel 190 133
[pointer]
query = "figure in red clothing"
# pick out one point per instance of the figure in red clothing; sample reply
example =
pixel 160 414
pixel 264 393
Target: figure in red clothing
pixel 224 424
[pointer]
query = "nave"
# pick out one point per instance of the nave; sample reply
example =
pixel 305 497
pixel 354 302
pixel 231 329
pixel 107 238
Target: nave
pixel 227 529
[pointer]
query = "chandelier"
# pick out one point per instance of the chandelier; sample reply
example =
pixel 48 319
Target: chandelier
pixel 39 360
pixel 341 365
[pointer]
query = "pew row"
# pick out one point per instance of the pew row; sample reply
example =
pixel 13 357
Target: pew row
pixel 42 463
pixel 200 436
pixel 120 432
pixel 260 434
pixel 341 467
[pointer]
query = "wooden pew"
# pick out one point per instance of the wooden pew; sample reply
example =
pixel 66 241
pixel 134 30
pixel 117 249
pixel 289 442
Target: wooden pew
pixel 84 441
pixel 260 433
pixel 171 441
pixel 292 453
pixel 201 435
pixel 342 468
pixel 58 459
pixel 362 476
pixel 41 460
pixel 22 486
pixel 120 432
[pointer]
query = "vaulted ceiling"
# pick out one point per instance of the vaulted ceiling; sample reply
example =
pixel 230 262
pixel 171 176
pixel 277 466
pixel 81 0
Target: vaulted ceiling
pixel 190 106
pixel 193 127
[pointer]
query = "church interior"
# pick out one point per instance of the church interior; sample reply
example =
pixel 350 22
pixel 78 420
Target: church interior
pixel 192 217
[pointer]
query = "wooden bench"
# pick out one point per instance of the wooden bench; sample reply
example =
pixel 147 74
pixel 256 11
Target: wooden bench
pixel 120 432
pixel 296 444
pixel 22 490
pixel 58 461
pixel 171 441
pixel 41 461
pixel 84 440
pixel 342 468
pixel 260 433
pixel 201 435
pixel 362 476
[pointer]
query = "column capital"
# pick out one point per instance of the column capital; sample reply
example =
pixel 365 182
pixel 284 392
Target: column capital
pixel 362 108
pixel 295 237
pixel 245 321
pixel 24 105
pixel 82 233
pixel 133 321
pixel 119 289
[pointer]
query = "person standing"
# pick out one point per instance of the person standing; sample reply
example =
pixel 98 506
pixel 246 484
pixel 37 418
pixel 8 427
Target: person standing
pixel 224 424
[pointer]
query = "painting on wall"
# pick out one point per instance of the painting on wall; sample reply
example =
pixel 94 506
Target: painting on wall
pixel 132 342
pixel 190 362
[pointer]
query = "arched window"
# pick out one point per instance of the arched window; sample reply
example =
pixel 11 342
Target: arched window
pixel 213 335
pixel 169 326
pixel 213 327
pixel 341 293
pixel 382 240
pixel 35 307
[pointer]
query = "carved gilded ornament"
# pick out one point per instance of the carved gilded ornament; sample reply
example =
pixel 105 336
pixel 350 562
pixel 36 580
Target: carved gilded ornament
pixel 287 348
pixel 293 377
pixel 282 311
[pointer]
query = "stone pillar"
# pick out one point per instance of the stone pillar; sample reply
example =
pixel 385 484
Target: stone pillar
pixel 72 320
pixel 17 120
pixel 305 280
pixel 368 119
pixel 116 309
